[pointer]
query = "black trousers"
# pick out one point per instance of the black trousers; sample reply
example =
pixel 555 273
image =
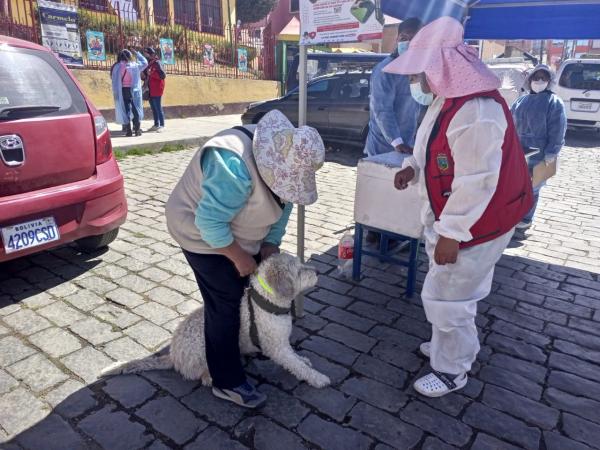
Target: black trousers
pixel 222 288
pixel 130 107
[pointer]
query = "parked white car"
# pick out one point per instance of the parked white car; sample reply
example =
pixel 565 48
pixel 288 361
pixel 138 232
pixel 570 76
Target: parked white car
pixel 512 72
pixel 579 87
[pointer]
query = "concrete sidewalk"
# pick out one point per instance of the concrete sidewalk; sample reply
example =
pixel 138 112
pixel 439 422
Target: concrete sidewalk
pixel 192 131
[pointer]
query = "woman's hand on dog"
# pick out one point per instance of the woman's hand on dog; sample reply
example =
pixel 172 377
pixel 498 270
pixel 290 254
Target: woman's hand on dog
pixel 245 264
pixel 268 249
pixel 243 261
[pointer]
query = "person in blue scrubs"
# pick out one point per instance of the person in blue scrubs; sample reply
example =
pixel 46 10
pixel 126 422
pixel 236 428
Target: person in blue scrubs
pixel 393 111
pixel 541 124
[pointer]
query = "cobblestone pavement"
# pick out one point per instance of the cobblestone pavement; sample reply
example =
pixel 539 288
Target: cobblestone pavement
pixel 66 315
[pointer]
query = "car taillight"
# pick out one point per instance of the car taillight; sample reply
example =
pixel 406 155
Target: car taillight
pixel 103 143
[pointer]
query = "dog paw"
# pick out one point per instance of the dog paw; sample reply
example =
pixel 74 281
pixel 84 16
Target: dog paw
pixel 306 361
pixel 319 381
pixel 206 379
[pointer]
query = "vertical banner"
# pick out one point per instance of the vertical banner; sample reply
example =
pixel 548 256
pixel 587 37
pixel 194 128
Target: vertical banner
pixel 167 51
pixel 95 45
pixel 323 21
pixel 60 32
pixel 208 55
pixel 242 59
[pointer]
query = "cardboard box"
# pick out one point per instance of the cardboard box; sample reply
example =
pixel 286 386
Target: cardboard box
pixel 379 204
pixel 543 172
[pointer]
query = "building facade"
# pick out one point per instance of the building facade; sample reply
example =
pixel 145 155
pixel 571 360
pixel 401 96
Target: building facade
pixel 207 16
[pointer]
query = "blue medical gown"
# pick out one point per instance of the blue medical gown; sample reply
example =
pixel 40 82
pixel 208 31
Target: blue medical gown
pixel 394 113
pixel 541 123
pixel 135 68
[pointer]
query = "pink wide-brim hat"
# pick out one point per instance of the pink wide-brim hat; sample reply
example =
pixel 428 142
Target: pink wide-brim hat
pixel 453 69
pixel 288 158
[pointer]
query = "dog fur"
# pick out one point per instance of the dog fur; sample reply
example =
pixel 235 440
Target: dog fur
pixel 288 278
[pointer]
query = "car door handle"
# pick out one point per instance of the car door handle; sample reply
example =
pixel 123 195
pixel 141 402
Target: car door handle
pixel 321 108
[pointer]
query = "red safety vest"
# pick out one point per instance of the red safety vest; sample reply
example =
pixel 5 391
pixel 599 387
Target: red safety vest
pixel 514 195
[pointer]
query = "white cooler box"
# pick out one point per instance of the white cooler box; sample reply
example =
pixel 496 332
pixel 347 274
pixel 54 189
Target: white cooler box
pixel 379 204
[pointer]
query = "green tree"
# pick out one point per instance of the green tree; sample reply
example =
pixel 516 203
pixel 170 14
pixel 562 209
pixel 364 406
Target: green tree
pixel 249 11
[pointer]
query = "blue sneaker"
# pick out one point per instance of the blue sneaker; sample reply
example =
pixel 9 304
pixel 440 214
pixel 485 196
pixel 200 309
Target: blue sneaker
pixel 244 395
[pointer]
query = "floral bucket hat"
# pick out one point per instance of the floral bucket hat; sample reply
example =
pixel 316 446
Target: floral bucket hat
pixel 288 158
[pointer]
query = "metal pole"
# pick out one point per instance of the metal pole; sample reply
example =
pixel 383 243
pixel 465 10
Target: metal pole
pixel 302 99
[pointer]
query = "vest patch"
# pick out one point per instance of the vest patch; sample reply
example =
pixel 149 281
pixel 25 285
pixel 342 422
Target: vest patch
pixel 442 162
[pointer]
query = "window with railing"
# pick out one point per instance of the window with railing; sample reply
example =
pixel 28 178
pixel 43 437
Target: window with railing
pixel 211 16
pixel 161 12
pixel 95 5
pixel 129 9
pixel 185 13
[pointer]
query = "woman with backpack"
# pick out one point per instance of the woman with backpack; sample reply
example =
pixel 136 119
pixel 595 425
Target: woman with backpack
pixel 155 79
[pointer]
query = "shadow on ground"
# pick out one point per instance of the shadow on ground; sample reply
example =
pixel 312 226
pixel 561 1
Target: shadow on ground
pixel 583 138
pixel 44 271
pixel 533 385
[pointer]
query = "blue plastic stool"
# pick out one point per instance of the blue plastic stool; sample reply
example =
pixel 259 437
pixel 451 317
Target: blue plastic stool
pixel 382 254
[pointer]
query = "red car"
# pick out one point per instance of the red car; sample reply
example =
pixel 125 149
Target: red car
pixel 59 180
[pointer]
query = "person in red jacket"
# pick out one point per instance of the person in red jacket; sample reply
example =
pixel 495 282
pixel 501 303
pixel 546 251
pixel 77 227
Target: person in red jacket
pixel 475 186
pixel 155 77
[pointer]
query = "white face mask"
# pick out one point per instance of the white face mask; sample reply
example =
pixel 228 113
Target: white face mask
pixel 402 46
pixel 539 86
pixel 420 97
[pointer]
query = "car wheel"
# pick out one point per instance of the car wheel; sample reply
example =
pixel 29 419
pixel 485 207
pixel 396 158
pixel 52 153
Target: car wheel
pixel 92 243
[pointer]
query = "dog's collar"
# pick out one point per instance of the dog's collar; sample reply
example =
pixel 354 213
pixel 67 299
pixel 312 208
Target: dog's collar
pixel 265 304
pixel 264 284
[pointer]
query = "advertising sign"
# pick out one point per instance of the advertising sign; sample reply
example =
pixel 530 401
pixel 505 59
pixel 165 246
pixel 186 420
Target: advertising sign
pixel 323 21
pixel 208 55
pixel 242 60
pixel 60 32
pixel 167 51
pixel 95 45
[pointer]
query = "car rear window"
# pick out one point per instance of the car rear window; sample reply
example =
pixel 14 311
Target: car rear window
pixel 581 76
pixel 36 78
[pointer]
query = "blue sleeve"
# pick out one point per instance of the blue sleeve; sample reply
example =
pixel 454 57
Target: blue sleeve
pixel 278 229
pixel 556 127
pixel 226 187
pixel 394 111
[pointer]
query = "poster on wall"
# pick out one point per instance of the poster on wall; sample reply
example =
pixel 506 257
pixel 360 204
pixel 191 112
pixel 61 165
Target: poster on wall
pixel 324 21
pixel 208 55
pixel 167 51
pixel 95 45
pixel 242 59
pixel 60 32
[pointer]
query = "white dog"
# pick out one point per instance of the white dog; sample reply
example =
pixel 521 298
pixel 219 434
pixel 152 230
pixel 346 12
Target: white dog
pixel 266 325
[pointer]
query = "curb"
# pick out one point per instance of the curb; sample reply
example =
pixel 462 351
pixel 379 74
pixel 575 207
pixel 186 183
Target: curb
pixel 157 146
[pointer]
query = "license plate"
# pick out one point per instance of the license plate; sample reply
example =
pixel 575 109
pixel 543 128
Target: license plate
pixel 586 106
pixel 29 234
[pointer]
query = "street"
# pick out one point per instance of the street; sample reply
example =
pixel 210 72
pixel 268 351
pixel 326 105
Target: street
pixel 66 315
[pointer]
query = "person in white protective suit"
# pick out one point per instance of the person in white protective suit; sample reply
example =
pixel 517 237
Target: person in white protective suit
pixel 475 186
